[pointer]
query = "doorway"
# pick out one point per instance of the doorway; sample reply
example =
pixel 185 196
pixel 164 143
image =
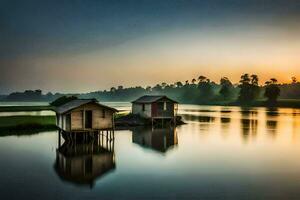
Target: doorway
pixel 88 119
pixel 68 122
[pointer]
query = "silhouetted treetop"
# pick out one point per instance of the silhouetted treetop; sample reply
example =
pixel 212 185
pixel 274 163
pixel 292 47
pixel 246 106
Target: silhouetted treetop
pixel 205 91
pixel 62 100
pixel 272 91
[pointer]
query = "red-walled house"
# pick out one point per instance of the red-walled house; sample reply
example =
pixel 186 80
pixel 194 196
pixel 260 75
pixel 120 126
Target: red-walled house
pixel 155 107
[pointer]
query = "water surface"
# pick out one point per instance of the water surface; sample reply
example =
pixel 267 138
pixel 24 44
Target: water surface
pixel 221 153
pixel 24 103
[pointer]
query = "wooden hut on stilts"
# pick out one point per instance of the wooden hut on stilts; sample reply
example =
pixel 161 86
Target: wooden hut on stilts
pixel 85 120
pixel 157 108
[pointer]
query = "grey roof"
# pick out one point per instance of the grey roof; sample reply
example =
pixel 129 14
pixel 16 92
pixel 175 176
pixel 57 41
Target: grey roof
pixel 78 102
pixel 151 99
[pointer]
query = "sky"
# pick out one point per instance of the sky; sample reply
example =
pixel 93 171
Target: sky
pixel 89 45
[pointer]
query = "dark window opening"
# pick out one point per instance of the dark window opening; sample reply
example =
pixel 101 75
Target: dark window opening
pixel 82 118
pixel 88 119
pixel 103 113
pixel 68 122
pixel 143 107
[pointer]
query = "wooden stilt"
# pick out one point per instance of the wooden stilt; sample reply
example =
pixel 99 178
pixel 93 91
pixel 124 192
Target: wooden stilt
pixel 106 141
pixel 59 138
pixel 68 136
pixel 152 121
pixel 75 144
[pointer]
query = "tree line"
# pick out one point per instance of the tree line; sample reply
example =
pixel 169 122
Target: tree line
pixel 204 91
pixel 197 91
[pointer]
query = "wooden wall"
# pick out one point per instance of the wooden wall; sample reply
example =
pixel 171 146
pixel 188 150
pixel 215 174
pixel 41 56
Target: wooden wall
pixel 138 109
pixel 77 120
pixel 78 115
pixel 155 109
pixel 61 122
pixel 98 122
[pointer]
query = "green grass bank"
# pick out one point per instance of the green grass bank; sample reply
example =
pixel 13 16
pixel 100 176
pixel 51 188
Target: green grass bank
pixel 26 125
pixel 24 108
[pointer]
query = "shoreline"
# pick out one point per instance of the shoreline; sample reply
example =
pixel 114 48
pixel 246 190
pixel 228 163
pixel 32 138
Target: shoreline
pixel 281 103
pixel 30 124
pixel 26 125
pixel 25 108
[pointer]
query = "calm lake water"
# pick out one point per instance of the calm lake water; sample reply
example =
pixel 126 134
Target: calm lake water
pixel 221 153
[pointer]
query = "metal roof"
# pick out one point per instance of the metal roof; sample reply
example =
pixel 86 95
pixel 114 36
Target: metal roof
pixel 79 102
pixel 151 99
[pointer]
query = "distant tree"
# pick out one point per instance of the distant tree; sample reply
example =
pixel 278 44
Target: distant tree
pixel 113 89
pixel 163 85
pixel 249 89
pixel 226 88
pixel 38 92
pixel 193 81
pixel 244 88
pixel 254 87
pixel 172 86
pixel 205 89
pixel 273 80
pixel 254 79
pixel 157 87
pixel 148 88
pixel 202 79
pixel 62 100
pixel 272 91
pixel 49 94
pixel 245 79
pixel 27 95
pixel 187 82
pixel 294 80
pixel 120 87
pixel 178 84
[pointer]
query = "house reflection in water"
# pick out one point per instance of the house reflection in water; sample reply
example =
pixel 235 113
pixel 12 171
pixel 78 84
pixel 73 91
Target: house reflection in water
pixel 159 139
pixel 82 164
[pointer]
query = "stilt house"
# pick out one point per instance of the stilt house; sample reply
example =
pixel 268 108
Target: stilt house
pixel 155 107
pixel 84 115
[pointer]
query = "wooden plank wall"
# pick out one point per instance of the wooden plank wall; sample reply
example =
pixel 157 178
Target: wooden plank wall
pixel 98 121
